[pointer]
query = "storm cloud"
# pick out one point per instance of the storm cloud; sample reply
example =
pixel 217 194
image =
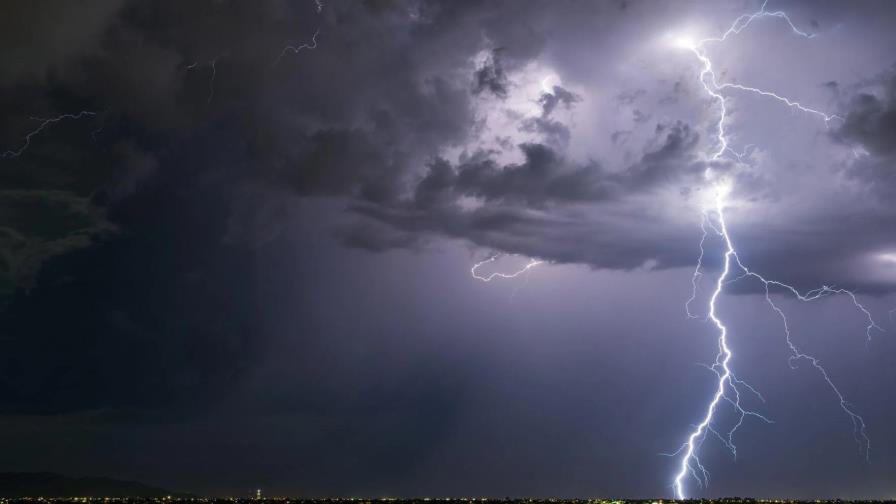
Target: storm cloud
pixel 194 243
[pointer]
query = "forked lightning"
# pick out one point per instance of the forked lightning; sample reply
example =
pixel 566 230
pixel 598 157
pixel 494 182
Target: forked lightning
pixel 727 388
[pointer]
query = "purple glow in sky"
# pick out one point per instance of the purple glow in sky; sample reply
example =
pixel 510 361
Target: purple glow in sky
pixel 264 256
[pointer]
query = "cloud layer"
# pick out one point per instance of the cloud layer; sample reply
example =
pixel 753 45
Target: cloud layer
pixel 568 132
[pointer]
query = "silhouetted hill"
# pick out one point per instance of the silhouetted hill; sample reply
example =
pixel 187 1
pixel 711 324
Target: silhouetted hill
pixel 56 485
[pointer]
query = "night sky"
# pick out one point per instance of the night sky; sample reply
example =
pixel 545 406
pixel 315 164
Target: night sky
pixel 241 256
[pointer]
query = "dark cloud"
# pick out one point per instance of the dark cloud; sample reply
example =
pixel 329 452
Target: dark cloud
pixel 523 205
pixel 871 120
pixel 42 38
pixel 156 256
pixel 136 319
pixel 308 125
pixel 630 97
pixel 491 76
pixel 554 132
pixel 543 178
pixel 40 225
pixel 104 208
pixel 557 96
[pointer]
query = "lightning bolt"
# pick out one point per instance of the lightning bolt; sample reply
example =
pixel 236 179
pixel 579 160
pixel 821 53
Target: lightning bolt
pixel 713 219
pixel 531 264
pixel 44 124
pixel 211 79
pixel 319 7
pixel 94 133
pixel 295 49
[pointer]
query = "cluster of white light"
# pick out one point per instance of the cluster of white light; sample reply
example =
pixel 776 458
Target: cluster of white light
pixel 714 219
pixel 548 83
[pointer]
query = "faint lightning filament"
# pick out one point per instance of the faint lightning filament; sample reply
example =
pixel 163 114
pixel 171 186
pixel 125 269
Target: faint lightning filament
pixel 45 123
pixel 295 49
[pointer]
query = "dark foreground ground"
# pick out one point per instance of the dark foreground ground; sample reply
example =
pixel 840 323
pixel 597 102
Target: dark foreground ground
pixel 203 500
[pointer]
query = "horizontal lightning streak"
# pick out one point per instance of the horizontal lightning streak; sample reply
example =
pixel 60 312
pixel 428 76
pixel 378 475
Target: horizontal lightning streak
pixel 787 101
pixel 531 264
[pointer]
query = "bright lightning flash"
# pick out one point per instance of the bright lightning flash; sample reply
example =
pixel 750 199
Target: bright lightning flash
pixel 728 386
pixel 684 42
pixel 488 278
pixel 548 83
